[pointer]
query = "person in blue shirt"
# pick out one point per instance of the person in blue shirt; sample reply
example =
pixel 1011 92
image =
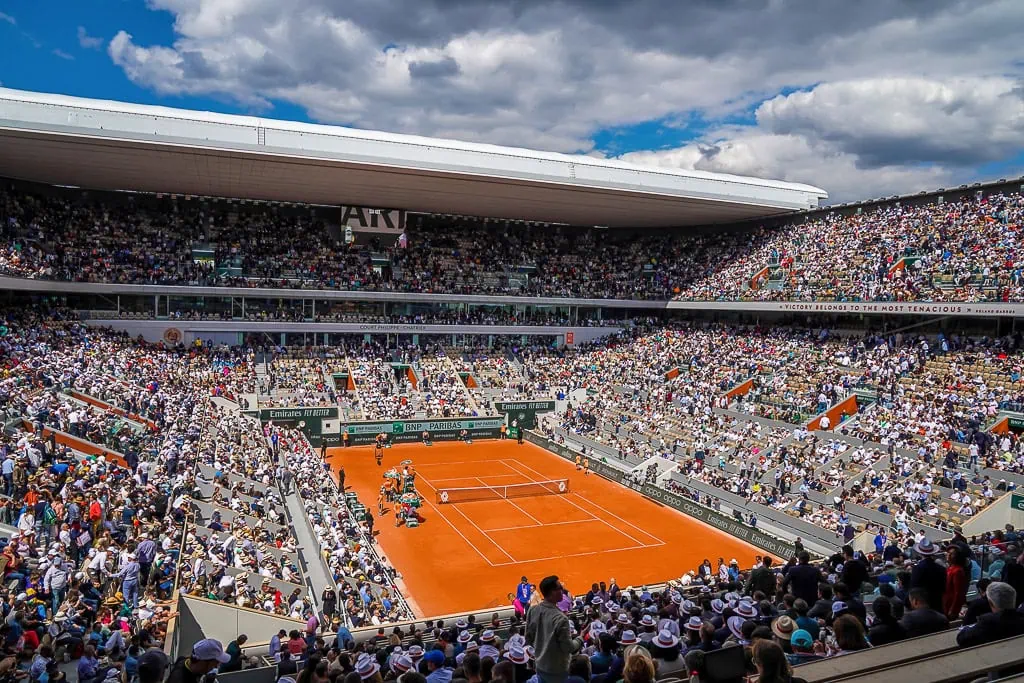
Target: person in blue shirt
pixel 344 636
pixel 524 591
pixel 87 665
pixel 131 664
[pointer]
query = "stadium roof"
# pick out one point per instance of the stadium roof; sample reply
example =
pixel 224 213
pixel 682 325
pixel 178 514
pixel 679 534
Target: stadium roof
pixel 104 145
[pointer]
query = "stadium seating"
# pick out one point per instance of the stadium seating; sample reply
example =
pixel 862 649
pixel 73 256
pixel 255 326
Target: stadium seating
pixel 965 250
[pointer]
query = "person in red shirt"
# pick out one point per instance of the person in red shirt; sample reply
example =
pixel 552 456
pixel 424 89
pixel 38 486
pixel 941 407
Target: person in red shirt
pixel 95 516
pixel 957 580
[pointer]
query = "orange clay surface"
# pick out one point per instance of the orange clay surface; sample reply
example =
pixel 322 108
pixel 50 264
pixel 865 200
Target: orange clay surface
pixel 471 555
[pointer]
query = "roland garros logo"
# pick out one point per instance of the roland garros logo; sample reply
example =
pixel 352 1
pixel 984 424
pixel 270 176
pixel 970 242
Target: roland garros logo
pixel 172 335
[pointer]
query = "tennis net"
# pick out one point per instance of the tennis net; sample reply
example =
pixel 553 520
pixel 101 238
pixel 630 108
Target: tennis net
pixel 470 493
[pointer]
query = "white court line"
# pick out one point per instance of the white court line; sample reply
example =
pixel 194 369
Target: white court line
pixel 468 542
pixel 580 507
pixel 509 501
pixel 418 465
pixel 592 552
pixel 489 476
pixel 625 521
pixel 456 508
pixel 534 526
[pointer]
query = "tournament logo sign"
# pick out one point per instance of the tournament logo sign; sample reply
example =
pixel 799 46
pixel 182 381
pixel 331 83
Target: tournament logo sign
pixel 172 335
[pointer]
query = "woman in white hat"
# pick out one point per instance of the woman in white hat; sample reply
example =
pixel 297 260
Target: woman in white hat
pixel 666 653
pixel 648 628
pixel 368 669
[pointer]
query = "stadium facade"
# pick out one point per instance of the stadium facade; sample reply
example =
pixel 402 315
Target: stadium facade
pixel 377 183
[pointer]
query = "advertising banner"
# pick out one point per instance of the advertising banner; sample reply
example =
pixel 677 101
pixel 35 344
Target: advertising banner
pixel 405 431
pixel 524 412
pixel 329 412
pixel 363 219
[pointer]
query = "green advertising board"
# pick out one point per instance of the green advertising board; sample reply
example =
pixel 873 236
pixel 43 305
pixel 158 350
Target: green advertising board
pixel 524 412
pixel 728 525
pixel 309 419
pixel 321 412
pixel 405 431
pixel 1017 501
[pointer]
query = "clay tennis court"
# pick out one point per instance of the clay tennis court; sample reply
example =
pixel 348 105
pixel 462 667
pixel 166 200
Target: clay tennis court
pixel 471 555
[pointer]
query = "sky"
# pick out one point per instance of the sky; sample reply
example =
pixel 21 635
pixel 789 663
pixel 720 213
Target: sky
pixel 864 99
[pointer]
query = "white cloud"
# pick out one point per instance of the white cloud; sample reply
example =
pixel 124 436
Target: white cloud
pixel 880 79
pixel 959 121
pixel 8 18
pixel 866 138
pixel 798 159
pixel 63 55
pixel 87 41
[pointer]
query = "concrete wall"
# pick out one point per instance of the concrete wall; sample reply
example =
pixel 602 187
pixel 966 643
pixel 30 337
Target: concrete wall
pixel 209 619
pixel 262 674
pixel 229 331
pixel 995 516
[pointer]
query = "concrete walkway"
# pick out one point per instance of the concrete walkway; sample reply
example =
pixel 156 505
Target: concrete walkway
pixel 313 568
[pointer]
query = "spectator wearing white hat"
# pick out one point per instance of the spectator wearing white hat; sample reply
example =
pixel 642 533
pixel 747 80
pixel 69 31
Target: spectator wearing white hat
pixel 368 668
pixel 666 653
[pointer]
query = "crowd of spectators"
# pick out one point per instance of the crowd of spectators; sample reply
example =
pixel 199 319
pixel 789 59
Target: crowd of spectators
pixel 102 537
pixel 964 250
pixel 765 621
pixel 90 570
pixel 363 579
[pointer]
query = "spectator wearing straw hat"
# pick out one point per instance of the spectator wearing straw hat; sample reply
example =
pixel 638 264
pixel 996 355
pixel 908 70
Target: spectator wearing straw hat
pixel 783 628
pixel 666 653
pixel 648 628
pixel 517 655
pixel 368 669
pixel 489 645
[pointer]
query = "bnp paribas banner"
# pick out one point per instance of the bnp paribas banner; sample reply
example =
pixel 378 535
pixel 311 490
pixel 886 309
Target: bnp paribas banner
pixel 400 431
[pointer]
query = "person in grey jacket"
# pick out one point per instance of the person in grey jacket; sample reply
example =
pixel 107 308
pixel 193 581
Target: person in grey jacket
pixel 547 630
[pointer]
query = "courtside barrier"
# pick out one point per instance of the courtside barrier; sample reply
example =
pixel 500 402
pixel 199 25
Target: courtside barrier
pixel 754 537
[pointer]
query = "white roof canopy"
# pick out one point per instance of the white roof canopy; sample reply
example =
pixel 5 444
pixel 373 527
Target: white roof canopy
pixel 105 145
